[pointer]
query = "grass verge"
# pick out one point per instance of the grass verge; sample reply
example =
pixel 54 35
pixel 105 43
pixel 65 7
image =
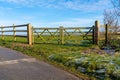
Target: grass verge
pixel 43 51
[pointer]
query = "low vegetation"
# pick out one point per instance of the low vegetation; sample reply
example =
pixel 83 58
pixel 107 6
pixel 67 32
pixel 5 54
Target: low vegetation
pixel 103 67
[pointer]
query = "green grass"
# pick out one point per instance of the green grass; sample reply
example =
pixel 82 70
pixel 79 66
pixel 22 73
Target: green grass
pixel 71 57
pixel 8 39
pixel 74 39
pixel 44 51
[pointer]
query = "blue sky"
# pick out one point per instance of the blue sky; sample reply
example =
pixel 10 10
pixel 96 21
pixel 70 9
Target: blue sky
pixel 52 13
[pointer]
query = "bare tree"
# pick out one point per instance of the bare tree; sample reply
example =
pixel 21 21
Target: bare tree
pixel 116 5
pixel 112 21
pixel 116 11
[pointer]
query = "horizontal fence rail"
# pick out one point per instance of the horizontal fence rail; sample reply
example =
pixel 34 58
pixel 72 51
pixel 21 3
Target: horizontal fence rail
pixel 14 26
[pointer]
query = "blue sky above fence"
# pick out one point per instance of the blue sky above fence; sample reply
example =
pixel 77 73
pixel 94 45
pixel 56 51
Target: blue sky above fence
pixel 52 13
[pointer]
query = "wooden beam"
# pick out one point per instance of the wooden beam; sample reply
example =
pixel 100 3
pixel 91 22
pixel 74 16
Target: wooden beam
pixel 96 34
pixel 29 34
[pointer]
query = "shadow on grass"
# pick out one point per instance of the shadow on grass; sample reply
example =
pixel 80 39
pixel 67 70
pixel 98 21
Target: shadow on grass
pixel 9 42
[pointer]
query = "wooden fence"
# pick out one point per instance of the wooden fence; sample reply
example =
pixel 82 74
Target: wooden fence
pixel 61 35
pixel 5 30
pixel 114 33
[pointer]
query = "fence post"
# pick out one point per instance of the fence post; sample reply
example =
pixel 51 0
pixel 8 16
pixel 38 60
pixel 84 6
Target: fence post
pixel 32 35
pixel 93 35
pixel 29 34
pixel 2 33
pixel 96 32
pixel 14 32
pixel 61 35
pixel 106 34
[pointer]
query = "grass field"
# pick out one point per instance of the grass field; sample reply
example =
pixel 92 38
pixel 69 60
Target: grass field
pixel 85 60
pixel 73 39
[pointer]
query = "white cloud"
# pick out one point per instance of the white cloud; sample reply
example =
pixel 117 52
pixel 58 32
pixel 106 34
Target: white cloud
pixel 83 5
pixel 97 5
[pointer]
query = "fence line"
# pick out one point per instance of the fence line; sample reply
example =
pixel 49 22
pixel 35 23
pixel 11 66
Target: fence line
pixel 13 30
pixel 59 34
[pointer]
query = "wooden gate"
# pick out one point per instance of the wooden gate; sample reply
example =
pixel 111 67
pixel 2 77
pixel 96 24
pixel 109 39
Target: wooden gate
pixel 67 35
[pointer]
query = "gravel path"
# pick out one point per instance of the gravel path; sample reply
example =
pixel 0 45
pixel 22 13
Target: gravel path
pixel 17 66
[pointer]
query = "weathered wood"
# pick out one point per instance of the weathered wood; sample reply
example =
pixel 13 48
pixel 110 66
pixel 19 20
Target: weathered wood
pixel 6 30
pixel 45 28
pixel 15 26
pixel 62 32
pixel 77 28
pixel 106 34
pixel 21 30
pixel 21 36
pixel 2 33
pixel 12 29
pixel 14 32
pixel 32 35
pixel 96 33
pixel 61 35
pixel 93 35
pixel 16 35
pixel 86 34
pixel 68 28
pixel 29 34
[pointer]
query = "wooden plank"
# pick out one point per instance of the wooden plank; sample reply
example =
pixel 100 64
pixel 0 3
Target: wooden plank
pixel 93 35
pixel 77 28
pixel 61 35
pixel 45 28
pixel 14 30
pixel 106 34
pixel 87 32
pixel 2 30
pixel 21 30
pixel 15 26
pixel 7 31
pixel 21 36
pixel 15 35
pixel 63 28
pixel 96 35
pixel 66 32
pixel 29 34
